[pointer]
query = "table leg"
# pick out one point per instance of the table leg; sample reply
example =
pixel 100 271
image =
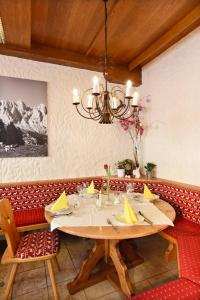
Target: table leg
pixel 112 266
pixel 88 265
pixel 121 268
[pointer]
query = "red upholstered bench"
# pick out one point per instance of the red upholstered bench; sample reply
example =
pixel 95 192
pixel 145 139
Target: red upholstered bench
pixel 188 286
pixel 29 199
pixel 179 289
pixel 183 227
pixel 189 257
pixel 185 200
pixel 185 233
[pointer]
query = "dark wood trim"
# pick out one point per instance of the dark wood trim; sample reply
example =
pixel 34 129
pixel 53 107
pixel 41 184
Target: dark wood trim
pixel 182 28
pixel 117 73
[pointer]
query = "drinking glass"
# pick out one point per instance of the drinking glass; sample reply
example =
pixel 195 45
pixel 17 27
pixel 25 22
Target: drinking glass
pixel 77 202
pixel 130 188
pixel 116 198
pixel 98 199
pixel 79 189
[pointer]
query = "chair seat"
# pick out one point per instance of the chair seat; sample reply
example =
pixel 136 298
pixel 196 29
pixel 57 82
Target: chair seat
pixel 38 244
pixel 189 257
pixel 183 227
pixel 179 289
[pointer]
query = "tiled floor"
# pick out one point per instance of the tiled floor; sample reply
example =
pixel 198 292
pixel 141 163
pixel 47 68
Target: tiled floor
pixel 32 280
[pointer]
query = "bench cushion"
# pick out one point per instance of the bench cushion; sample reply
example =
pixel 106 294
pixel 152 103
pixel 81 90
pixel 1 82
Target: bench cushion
pixel 183 227
pixel 29 217
pixel 189 257
pixel 38 244
pixel 179 289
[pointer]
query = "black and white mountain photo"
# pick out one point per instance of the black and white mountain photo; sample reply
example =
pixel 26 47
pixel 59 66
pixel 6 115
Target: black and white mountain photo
pixel 23 118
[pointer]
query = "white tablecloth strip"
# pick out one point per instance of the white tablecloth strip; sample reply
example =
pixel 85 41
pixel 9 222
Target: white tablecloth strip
pixel 89 215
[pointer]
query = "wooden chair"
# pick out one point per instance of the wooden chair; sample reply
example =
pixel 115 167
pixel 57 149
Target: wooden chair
pixel 36 246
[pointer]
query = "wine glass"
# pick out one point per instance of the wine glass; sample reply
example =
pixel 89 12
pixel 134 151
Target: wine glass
pixel 77 202
pixel 130 188
pixel 79 189
pixel 116 197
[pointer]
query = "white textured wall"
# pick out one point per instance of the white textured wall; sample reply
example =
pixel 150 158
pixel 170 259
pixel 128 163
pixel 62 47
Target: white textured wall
pixel 173 117
pixel 77 147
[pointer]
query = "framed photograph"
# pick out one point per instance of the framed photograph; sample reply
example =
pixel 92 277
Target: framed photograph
pixel 23 118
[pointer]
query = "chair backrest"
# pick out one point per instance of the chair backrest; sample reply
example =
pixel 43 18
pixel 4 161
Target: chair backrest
pixel 8 226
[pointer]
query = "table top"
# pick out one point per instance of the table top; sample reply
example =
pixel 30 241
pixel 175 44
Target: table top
pixel 121 232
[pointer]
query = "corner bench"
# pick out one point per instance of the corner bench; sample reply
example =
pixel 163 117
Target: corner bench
pixel 29 199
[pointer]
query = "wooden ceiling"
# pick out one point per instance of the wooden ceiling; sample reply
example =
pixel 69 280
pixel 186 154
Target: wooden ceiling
pixel 71 32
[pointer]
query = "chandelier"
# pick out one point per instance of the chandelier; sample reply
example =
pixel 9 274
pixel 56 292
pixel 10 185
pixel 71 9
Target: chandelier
pixel 100 104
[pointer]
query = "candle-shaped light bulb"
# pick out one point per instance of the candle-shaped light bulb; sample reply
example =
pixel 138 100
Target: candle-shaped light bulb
pixel 75 94
pixel 90 101
pixel 95 85
pixel 114 103
pixel 128 88
pixel 136 98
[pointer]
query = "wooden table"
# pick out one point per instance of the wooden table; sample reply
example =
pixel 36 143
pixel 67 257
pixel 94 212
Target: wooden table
pixel 113 252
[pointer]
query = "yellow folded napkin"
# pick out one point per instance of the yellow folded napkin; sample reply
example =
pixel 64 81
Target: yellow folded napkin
pixel 147 193
pixel 129 216
pixel 61 203
pixel 90 189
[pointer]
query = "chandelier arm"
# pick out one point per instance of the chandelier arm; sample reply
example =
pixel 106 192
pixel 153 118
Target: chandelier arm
pixel 82 114
pixel 123 118
pixel 117 88
pixel 85 92
pixel 93 115
pixel 123 113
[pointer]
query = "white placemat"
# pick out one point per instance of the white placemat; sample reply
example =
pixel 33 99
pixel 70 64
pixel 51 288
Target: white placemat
pixel 89 215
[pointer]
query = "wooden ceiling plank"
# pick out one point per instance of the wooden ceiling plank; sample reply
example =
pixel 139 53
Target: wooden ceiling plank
pixel 182 28
pixel 16 18
pixel 101 29
pixel 117 73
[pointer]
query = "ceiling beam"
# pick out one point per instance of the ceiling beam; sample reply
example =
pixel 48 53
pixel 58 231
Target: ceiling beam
pixel 16 19
pixel 116 73
pixel 183 27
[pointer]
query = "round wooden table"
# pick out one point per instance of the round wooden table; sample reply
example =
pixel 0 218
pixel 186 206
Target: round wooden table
pixel 112 251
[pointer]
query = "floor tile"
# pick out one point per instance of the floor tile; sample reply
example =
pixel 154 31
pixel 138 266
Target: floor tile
pixel 162 278
pixel 38 294
pixel 64 294
pixel 138 273
pixel 29 281
pixel 142 286
pixel 99 290
pixel 111 296
pixel 67 269
pixel 79 250
pixel 153 267
pixel 30 266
